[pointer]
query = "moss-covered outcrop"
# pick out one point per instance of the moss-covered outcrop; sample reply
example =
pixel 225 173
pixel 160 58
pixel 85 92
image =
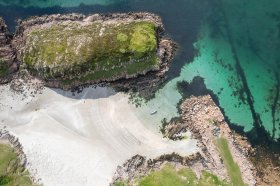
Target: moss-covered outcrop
pixel 92 52
pixel 71 50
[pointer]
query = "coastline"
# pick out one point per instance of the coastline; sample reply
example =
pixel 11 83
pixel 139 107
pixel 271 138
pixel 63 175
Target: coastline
pixel 147 83
pixel 205 120
pixel 201 117
pixel 56 129
pixel 199 120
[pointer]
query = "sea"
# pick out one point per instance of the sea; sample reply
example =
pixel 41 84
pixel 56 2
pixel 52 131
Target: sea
pixel 231 48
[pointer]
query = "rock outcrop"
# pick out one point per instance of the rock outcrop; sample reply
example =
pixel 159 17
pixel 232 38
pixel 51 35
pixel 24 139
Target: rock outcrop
pixel 125 51
pixel 146 85
pixel 203 118
pixel 71 50
pixel 138 166
pixel 8 63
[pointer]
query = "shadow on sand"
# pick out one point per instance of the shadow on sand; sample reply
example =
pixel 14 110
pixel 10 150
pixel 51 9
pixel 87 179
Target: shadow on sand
pixel 91 92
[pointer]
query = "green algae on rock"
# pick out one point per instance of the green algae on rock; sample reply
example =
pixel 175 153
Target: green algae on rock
pixel 71 50
pixel 68 50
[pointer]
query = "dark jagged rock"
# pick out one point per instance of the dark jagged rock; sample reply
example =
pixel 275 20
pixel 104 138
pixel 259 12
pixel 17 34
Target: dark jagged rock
pixel 8 64
pixel 138 166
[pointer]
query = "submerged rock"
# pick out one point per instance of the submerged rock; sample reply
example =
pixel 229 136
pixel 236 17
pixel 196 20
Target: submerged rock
pixel 71 50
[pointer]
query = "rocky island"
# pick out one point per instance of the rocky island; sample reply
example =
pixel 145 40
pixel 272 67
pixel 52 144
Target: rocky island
pixel 66 51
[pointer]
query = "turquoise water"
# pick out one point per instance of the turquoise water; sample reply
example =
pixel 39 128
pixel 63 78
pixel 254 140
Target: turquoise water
pixel 239 49
pixel 232 45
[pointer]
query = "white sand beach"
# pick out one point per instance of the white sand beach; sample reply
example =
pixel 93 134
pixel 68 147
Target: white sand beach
pixel 80 140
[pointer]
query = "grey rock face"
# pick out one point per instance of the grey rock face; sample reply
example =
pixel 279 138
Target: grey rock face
pixel 8 64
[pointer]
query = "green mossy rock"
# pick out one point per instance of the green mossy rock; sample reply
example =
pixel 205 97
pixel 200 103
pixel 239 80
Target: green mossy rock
pixel 93 51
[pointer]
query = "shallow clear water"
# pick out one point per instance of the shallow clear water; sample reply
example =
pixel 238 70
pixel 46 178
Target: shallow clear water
pixel 233 45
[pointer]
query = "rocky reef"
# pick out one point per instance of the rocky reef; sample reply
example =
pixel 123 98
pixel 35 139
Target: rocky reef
pixel 67 51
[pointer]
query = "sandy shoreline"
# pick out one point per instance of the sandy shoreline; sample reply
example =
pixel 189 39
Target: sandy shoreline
pixel 80 140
